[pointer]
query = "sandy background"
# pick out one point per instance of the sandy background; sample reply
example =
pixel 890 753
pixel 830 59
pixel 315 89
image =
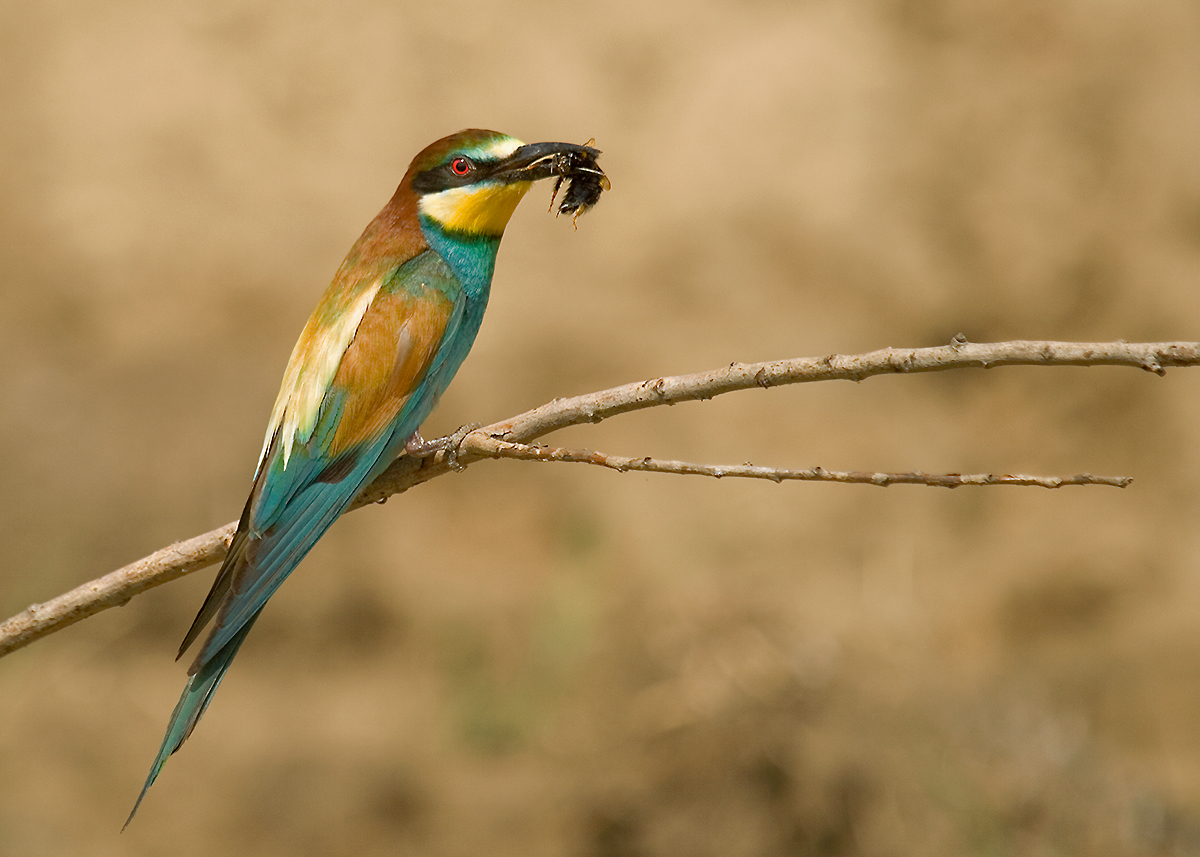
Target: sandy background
pixel 548 660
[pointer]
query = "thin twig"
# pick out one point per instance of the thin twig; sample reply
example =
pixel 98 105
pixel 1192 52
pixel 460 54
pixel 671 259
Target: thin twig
pixel 184 557
pixel 620 463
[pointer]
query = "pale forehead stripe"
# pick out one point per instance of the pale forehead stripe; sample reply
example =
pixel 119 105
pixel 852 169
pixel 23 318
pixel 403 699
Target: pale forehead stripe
pixel 502 148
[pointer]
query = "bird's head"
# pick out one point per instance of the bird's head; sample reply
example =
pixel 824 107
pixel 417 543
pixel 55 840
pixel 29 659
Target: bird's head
pixel 470 183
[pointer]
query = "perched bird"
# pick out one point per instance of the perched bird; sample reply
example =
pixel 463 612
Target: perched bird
pixel 380 348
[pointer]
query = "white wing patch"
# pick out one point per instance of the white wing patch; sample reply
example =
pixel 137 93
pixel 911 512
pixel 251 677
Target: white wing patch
pixel 310 370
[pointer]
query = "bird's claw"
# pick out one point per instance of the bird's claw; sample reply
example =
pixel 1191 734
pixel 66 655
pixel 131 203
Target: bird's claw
pixel 419 447
pixel 453 442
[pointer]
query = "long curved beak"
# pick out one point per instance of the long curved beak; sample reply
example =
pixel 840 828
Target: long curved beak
pixel 536 161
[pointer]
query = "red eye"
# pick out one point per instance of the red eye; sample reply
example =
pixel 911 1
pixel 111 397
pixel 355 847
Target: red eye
pixel 460 166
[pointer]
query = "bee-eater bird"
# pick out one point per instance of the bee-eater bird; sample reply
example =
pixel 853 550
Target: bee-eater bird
pixel 377 353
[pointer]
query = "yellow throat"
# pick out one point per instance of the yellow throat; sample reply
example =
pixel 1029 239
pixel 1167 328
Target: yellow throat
pixel 482 209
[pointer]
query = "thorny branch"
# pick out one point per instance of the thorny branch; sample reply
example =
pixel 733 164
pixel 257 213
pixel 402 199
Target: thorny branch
pixel 510 439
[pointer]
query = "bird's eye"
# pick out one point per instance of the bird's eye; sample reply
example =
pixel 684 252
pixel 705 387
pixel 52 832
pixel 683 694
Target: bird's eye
pixel 460 166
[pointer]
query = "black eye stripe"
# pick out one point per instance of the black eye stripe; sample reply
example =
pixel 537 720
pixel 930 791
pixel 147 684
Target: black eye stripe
pixel 444 177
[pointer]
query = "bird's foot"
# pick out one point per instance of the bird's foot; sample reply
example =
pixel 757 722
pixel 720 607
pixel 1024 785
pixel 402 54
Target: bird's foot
pixel 419 447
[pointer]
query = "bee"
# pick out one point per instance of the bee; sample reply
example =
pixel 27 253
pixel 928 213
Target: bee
pixel 585 181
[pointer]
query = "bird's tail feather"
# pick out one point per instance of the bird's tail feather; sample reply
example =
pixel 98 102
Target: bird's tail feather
pixel 197 693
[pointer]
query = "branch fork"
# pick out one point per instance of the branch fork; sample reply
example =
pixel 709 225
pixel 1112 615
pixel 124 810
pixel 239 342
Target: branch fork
pixel 512 438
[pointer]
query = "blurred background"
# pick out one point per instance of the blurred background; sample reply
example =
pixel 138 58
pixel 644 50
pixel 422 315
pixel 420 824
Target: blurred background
pixel 550 659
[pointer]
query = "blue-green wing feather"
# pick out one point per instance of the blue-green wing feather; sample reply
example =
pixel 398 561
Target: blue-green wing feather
pixel 295 508
pixel 291 507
